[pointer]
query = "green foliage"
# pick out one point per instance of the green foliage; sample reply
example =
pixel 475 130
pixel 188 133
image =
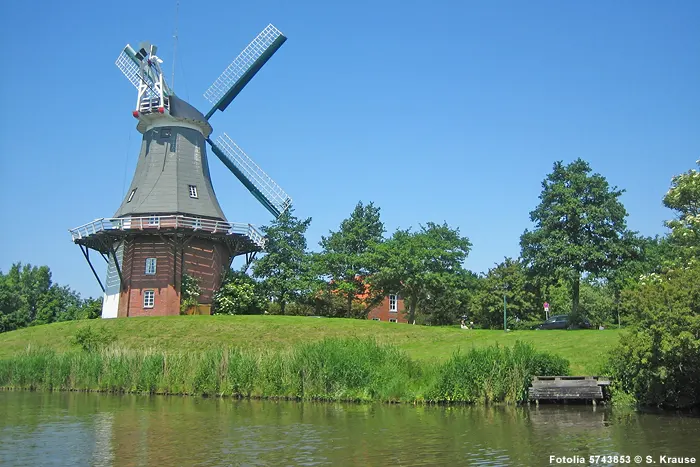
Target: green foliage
pixel 494 374
pixel 347 257
pixel 91 340
pixel 411 264
pixel 285 268
pixel 189 292
pixel 337 369
pixel 558 295
pixel 508 278
pixel 598 304
pixel 658 362
pixel 445 302
pixel 29 297
pixel 580 227
pixel 239 295
pixel 684 198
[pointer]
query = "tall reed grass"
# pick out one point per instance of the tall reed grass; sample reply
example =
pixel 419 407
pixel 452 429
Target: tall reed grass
pixel 332 369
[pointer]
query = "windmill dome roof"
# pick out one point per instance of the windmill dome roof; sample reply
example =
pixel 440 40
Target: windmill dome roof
pixel 182 109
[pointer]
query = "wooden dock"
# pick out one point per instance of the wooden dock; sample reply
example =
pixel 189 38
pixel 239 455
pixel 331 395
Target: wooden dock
pixel 565 388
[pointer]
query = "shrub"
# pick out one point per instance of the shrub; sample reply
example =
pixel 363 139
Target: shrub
pixel 658 361
pixel 90 339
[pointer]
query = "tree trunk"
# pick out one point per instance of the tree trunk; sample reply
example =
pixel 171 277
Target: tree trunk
pixel 412 310
pixel 350 297
pixel 283 304
pixel 575 289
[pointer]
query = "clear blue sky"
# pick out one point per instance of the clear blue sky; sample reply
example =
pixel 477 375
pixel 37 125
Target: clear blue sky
pixel 436 111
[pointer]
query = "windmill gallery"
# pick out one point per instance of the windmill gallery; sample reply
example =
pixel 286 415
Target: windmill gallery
pixel 170 222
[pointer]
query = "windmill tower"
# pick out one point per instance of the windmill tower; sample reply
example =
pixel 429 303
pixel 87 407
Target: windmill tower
pixel 170 222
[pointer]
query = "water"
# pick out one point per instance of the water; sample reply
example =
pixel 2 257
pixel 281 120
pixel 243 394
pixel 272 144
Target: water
pixel 75 429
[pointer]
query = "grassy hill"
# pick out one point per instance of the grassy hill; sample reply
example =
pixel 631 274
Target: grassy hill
pixel 585 349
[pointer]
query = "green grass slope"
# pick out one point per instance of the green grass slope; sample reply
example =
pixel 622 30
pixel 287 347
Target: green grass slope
pixel 586 350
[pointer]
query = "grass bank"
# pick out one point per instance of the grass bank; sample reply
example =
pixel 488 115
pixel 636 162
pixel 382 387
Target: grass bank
pixel 333 369
pixel 585 349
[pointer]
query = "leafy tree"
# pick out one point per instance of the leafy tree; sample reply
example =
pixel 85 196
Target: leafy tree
pixel 90 308
pixel 239 295
pixel 659 360
pixel 598 303
pixel 347 258
pixel 649 255
pixel 285 266
pixel 413 263
pixel 29 297
pixel 580 227
pixel 684 198
pixel 446 302
pixel 508 278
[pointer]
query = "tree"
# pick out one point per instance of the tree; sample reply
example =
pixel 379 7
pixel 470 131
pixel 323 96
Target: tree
pixel 509 279
pixel 239 295
pixel 580 227
pixel 684 198
pixel 29 297
pixel 347 257
pixel 659 360
pixel 285 266
pixel 598 303
pixel 649 255
pixel 412 263
pixel 446 302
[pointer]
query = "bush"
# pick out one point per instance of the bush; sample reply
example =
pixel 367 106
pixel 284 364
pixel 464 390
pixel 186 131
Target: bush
pixel 658 361
pixel 239 295
pixel 91 340
pixel 523 325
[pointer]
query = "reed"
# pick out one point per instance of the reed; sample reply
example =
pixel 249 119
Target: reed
pixel 333 369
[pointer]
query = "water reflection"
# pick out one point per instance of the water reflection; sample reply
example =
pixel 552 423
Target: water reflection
pixel 102 430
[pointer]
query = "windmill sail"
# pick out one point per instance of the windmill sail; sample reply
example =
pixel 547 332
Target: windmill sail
pixel 243 68
pixel 253 177
pixel 130 66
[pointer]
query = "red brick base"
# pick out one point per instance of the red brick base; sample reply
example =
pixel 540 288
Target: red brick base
pixel 200 258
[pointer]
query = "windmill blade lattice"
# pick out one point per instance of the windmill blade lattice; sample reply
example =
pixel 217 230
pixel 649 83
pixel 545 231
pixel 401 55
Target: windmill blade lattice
pixel 269 193
pixel 128 64
pixel 234 78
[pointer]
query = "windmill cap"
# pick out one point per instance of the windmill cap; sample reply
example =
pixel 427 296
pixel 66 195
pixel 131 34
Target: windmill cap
pixel 181 109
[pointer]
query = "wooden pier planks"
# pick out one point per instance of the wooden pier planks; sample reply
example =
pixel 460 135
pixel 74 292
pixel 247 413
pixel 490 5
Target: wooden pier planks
pixel 567 388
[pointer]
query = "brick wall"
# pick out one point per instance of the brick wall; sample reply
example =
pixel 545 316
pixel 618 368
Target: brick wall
pixel 382 312
pixel 203 259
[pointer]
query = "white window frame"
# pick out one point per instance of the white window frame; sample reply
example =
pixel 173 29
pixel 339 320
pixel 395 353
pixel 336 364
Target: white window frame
pixel 193 191
pixel 149 298
pixel 154 221
pixel 197 224
pixel 393 303
pixel 393 320
pixel 131 195
pixel 151 266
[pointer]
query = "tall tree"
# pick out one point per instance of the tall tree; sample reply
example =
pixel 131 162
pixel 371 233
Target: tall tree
pixel 347 257
pixel 508 278
pixel 284 268
pixel 446 302
pixel 580 227
pixel 412 263
pixel 684 198
pixel 29 297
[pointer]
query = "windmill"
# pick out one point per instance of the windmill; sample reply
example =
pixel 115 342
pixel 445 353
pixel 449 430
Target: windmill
pixel 170 223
